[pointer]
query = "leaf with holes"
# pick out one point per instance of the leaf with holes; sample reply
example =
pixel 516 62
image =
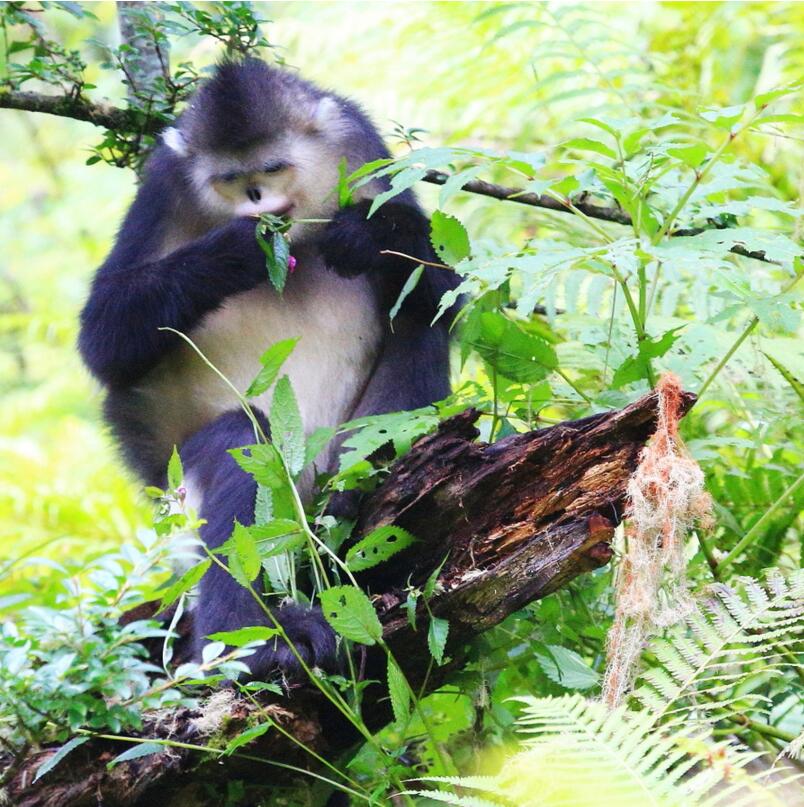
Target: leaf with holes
pixel 378 546
pixel 449 238
pixel 351 614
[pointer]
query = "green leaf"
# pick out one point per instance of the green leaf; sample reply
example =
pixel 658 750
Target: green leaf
pixel 398 692
pixel 244 561
pixel 263 462
pixel 589 144
pixel 692 155
pixel 513 352
pixel 377 547
pixel 244 636
pixel 189 579
pixel 351 614
pixel 175 471
pixel 246 737
pixel 277 253
pixel 344 191
pixel 449 238
pixel 272 360
pixel 376 431
pixel 51 762
pixel 788 376
pixel 287 429
pixel 137 751
pixel 317 442
pixel 635 368
pixel 437 638
pixel 410 284
pixel 567 668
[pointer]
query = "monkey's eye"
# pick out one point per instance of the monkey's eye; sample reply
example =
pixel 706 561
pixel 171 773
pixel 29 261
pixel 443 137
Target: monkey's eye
pixel 272 166
pixel 229 176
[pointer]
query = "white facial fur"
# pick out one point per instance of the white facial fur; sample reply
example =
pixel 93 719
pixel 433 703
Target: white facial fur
pixel 305 188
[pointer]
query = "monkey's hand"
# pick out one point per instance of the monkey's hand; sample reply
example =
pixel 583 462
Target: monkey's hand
pixel 353 244
pixel 236 251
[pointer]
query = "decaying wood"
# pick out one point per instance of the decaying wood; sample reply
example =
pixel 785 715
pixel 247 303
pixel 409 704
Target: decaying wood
pixel 514 520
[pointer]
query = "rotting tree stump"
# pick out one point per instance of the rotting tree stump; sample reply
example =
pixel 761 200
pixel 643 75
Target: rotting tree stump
pixel 515 520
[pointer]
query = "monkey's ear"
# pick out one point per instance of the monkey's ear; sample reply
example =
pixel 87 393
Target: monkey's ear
pixel 174 140
pixel 324 114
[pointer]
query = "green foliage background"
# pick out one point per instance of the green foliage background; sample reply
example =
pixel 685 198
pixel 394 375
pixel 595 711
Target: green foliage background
pixel 430 65
pixel 503 77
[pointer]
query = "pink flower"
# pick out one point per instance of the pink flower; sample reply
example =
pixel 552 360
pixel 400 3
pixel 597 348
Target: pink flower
pixel 291 263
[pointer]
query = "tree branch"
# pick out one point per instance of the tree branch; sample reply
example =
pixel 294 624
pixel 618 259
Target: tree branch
pixel 111 117
pixel 97 113
pixel 515 520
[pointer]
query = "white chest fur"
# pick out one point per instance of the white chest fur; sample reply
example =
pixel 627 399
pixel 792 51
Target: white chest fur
pixel 339 332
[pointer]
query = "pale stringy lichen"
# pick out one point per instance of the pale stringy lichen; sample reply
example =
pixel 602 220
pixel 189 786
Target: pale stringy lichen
pixel 666 498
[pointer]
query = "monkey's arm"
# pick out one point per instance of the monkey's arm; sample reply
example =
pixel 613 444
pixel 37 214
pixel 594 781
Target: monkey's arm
pixel 120 338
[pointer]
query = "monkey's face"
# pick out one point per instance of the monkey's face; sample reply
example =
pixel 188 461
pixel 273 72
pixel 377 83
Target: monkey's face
pixel 294 176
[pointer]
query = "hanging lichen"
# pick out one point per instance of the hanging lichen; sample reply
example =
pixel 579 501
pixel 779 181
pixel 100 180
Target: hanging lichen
pixel 665 498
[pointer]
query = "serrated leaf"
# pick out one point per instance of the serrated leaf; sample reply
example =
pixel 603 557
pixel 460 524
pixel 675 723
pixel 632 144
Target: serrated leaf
pixel 635 367
pixel 449 238
pixel 51 762
pixel 175 471
pixel 137 751
pixel 187 581
pixel 272 361
pixel 398 692
pixel 566 668
pixel 263 462
pixel 246 737
pixel 437 638
pixel 244 559
pixel 287 429
pixel 410 284
pixel 378 546
pixel 788 376
pixel 513 353
pixel 351 614
pixel 244 636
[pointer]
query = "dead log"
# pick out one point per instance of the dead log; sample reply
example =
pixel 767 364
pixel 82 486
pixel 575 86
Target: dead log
pixel 512 522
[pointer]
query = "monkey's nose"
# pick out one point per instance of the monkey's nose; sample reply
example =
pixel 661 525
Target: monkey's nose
pixel 253 194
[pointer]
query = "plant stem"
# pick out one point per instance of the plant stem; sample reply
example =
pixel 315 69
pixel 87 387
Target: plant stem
pixel 639 326
pixel 569 381
pixel 757 529
pixel 752 323
pixel 219 752
pixel 762 728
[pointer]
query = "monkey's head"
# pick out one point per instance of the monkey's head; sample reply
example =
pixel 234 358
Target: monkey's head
pixel 258 139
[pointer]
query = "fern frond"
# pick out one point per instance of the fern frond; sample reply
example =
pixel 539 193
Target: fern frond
pixel 699 663
pixel 577 753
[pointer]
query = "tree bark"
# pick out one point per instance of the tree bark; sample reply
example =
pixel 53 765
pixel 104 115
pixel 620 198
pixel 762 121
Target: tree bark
pixel 515 520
